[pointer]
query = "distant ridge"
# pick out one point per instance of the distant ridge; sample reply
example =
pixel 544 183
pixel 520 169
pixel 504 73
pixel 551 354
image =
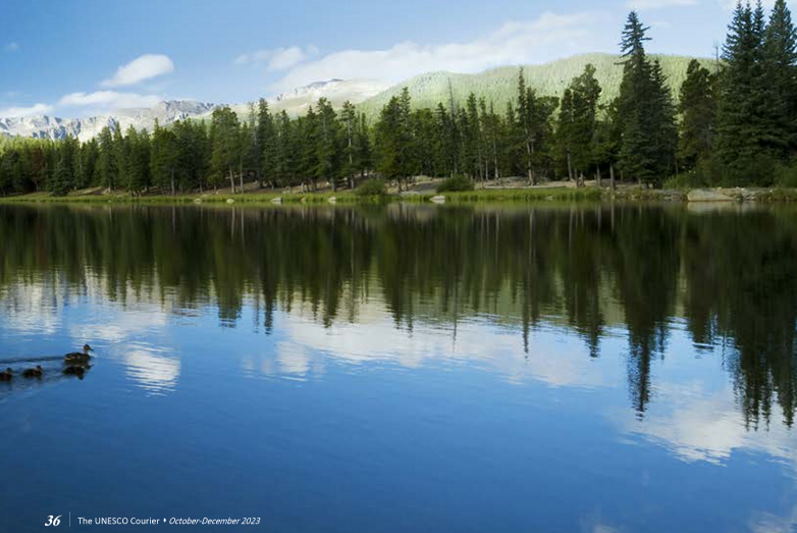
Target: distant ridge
pixel 49 127
pixel 499 85
pixel 337 91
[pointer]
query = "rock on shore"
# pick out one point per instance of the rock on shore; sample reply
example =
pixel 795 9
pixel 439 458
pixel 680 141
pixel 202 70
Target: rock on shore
pixel 708 195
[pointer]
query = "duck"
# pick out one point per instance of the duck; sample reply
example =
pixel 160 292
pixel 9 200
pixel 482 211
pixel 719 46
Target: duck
pixel 35 372
pixel 6 375
pixel 79 356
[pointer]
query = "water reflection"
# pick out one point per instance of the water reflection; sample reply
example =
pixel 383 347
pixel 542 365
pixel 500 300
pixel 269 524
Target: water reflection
pixel 151 368
pixel 488 285
pixel 592 368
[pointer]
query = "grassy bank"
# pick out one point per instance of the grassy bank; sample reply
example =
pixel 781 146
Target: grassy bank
pixel 327 197
pixel 220 198
pixel 509 195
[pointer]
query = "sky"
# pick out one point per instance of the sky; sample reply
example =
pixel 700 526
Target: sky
pixel 82 57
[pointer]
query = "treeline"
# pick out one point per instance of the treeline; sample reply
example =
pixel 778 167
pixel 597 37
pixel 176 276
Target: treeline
pixel 736 125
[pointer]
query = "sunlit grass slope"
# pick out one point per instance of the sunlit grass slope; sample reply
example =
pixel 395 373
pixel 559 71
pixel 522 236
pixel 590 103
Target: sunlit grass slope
pixel 499 85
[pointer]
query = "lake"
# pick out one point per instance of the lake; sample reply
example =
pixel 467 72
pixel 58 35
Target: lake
pixel 595 368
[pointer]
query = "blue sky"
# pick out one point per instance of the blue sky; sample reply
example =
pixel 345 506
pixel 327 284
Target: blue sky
pixel 80 57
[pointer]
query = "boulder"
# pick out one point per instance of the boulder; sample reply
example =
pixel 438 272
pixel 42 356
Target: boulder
pixel 439 199
pixel 707 195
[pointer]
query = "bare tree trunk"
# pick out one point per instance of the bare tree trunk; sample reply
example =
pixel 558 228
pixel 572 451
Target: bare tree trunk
pixel 569 167
pixel 611 175
pixel 598 176
pixel 529 172
pixel 241 176
pixel 495 160
pixel 232 181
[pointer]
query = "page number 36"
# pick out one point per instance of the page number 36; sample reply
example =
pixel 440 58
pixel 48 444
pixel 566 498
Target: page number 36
pixel 53 521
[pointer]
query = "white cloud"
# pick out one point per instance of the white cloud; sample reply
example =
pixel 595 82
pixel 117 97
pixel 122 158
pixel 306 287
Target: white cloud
pixel 142 68
pixel 16 111
pixel 278 58
pixel 11 47
pixel 731 4
pixel 772 523
pixel 109 99
pixel 658 4
pixel 548 37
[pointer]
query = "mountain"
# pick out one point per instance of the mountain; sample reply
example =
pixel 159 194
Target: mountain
pixel 499 85
pixel 337 91
pixel 294 102
pixel 47 127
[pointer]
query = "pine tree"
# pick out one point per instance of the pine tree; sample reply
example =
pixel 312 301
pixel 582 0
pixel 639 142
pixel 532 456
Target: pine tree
pixel 424 133
pixel 349 119
pixel 119 148
pixel 493 138
pixel 395 139
pixel 645 111
pixel 533 129
pixel 780 71
pixel 664 129
pixel 86 171
pixel 697 106
pixel 578 122
pixel 327 143
pixel 470 126
pixel 742 116
pixel 108 166
pixel 364 150
pixel 63 178
pixel 306 140
pixel 226 149
pixel 448 141
pixel 284 153
pixel 164 158
pixel 526 125
pixel 136 160
pixel 267 142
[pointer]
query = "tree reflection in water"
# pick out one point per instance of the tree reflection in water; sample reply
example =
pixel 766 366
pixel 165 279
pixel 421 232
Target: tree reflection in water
pixel 728 274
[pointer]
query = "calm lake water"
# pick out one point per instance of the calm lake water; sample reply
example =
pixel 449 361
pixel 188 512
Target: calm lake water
pixel 402 369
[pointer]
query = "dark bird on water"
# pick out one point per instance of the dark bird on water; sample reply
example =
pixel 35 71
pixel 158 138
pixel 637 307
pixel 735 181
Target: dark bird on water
pixel 6 375
pixel 35 372
pixel 79 357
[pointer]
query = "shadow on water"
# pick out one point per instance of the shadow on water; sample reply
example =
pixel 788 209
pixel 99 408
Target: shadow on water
pixel 53 370
pixel 728 275
pixel 47 359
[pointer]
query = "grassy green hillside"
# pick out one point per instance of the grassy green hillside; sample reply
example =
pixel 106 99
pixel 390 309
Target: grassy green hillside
pixel 499 85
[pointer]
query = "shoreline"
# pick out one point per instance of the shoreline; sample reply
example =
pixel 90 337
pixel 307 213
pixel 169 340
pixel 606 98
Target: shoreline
pixel 491 195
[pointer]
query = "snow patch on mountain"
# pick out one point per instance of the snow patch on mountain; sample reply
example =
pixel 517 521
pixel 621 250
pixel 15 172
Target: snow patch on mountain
pixel 47 127
pixel 295 102
pixel 337 91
